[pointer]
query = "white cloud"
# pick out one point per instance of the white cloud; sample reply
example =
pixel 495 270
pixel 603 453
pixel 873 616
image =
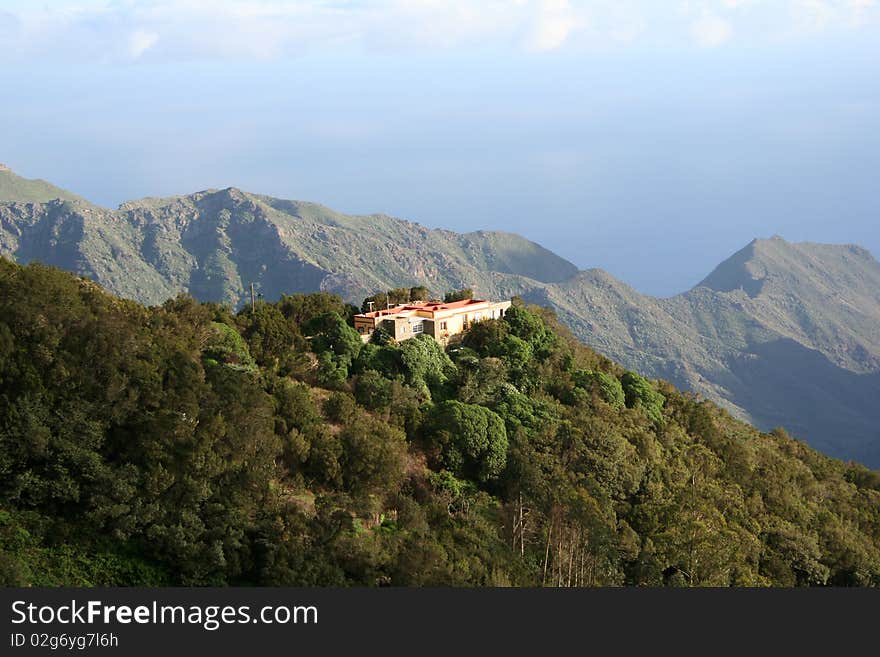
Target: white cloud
pixel 711 31
pixel 555 21
pixel 269 29
pixel 140 41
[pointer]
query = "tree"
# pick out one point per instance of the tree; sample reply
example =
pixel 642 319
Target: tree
pixel 395 297
pixel 226 346
pixel 381 336
pixel 530 327
pixel 372 390
pixel 332 371
pixel 373 457
pixel 336 343
pixel 472 439
pixel 302 308
pixel 641 394
pixel 479 383
pixel 341 408
pixel 516 353
pixel 607 386
pixel 383 359
pixel 270 337
pixel 486 337
pixel 423 362
pixel 419 293
pixel 458 295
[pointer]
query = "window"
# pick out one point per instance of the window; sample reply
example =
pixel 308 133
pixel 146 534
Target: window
pixel 418 328
pixel 442 326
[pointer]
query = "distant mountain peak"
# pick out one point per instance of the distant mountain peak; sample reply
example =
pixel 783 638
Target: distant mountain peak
pixel 792 265
pixel 232 192
pixel 232 195
pixel 739 272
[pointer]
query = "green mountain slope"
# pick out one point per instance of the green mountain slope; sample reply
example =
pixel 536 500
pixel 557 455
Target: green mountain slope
pixel 772 309
pixel 185 444
pixel 15 188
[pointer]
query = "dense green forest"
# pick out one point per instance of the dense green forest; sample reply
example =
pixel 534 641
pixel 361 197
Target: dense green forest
pixel 188 444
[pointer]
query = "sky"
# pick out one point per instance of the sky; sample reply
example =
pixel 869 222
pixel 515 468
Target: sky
pixel 651 139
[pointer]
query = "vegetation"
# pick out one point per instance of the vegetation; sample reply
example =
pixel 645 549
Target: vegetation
pixel 395 297
pixel 186 444
pixel 778 333
pixel 23 190
pixel 458 295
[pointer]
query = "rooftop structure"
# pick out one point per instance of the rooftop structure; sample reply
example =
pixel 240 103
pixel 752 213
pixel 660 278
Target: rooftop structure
pixel 439 320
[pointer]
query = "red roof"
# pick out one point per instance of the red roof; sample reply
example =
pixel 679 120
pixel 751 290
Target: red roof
pixel 430 307
pixel 449 306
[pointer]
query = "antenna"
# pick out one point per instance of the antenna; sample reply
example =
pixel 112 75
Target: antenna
pixel 253 300
pixel 371 304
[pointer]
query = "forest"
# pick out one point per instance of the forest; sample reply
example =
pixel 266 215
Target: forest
pixel 189 444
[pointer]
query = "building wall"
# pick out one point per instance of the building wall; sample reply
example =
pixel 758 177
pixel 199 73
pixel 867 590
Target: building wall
pixel 400 329
pixel 365 327
pixel 456 321
pixel 364 324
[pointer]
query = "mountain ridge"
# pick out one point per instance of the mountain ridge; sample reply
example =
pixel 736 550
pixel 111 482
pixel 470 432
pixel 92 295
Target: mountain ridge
pixel 747 315
pixel 17 188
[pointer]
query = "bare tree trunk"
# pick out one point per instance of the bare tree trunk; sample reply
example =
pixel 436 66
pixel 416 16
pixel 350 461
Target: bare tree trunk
pixel 571 549
pixel 547 552
pixel 513 530
pixel 522 529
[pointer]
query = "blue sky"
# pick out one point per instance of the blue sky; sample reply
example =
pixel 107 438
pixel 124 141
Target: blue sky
pixel 651 139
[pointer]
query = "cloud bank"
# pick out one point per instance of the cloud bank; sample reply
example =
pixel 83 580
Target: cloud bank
pixel 71 30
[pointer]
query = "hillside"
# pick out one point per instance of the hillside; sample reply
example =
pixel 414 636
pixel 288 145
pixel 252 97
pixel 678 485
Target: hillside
pixel 821 295
pixel 185 444
pixel 15 188
pixel 779 334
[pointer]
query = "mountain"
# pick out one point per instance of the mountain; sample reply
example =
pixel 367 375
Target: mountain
pixel 189 445
pixel 779 334
pixel 214 244
pixel 824 296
